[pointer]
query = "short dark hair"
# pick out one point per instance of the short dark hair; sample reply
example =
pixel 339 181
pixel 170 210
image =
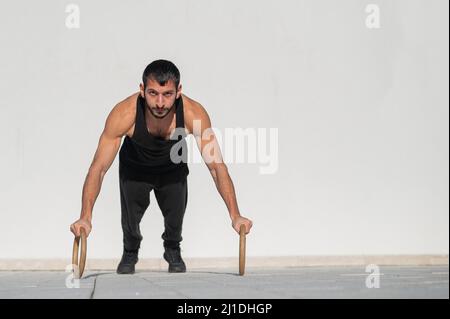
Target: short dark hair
pixel 161 71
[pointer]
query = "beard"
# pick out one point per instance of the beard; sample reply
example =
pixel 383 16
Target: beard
pixel 164 111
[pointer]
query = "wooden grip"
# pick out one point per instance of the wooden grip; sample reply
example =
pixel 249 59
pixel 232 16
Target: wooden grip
pixel 242 250
pixel 75 252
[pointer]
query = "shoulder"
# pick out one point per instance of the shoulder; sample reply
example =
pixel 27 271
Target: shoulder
pixel 194 111
pixel 122 117
pixel 127 107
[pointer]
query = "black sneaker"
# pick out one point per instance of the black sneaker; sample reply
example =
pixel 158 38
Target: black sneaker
pixel 129 259
pixel 173 257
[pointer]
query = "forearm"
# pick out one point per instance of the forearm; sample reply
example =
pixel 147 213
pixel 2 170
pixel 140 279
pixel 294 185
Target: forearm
pixel 226 189
pixel 91 189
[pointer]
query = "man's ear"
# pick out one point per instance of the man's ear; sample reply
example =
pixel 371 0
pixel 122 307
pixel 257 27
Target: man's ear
pixel 142 89
pixel 179 91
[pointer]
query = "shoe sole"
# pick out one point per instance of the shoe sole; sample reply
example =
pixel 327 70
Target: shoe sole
pixel 125 273
pixel 175 271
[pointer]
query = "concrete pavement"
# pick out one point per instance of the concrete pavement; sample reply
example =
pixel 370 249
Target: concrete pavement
pixel 288 282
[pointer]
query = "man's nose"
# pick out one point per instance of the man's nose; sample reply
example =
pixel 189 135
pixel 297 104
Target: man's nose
pixel 160 101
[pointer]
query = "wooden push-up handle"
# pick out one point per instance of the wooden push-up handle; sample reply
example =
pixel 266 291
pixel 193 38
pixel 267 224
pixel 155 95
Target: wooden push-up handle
pixel 76 243
pixel 242 250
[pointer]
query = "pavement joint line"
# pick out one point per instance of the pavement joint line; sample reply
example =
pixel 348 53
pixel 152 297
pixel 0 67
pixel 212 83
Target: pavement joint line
pixel 93 288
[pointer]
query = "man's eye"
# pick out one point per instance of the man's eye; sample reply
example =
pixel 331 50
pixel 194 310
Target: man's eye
pixel 168 94
pixel 152 93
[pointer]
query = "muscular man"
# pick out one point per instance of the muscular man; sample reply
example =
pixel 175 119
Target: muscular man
pixel 155 122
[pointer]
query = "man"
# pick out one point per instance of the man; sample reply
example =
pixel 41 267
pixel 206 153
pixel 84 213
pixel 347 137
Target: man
pixel 153 156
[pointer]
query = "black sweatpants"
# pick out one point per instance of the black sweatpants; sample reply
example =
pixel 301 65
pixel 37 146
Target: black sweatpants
pixel 135 199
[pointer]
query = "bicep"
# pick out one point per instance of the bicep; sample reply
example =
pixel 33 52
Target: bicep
pixel 109 142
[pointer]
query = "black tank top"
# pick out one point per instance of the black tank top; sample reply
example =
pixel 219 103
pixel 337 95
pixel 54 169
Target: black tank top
pixel 147 157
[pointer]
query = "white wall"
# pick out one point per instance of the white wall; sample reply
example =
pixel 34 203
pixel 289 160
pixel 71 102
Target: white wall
pixel 362 116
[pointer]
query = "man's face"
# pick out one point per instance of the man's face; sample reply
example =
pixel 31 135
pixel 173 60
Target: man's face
pixel 160 99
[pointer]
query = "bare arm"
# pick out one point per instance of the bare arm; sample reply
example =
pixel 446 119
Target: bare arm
pixel 117 124
pixel 108 146
pixel 212 156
